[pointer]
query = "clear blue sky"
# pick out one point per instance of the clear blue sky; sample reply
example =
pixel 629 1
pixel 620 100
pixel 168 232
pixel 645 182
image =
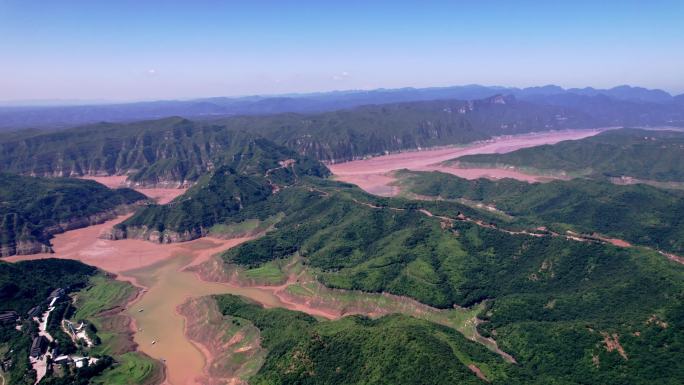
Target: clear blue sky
pixel 147 49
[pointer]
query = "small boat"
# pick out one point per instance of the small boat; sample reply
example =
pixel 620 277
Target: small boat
pixel 154 342
pixel 140 311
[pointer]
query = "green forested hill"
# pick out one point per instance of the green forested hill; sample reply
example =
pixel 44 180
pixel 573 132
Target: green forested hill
pixel 376 129
pixel 552 303
pixel 27 284
pixel 178 150
pixel 174 150
pixel 638 213
pixel 34 208
pixel 641 154
pixel 355 350
pixel 244 182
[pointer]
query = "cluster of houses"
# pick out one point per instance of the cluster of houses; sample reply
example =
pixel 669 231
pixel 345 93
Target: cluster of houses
pixel 40 354
pixel 9 317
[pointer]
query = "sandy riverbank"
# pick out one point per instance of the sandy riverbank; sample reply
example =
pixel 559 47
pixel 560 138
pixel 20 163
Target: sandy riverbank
pixel 374 174
pixel 160 195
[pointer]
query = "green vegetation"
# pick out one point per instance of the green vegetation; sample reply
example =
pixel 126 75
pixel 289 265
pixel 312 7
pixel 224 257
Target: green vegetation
pixel 549 301
pixel 221 196
pixel 131 369
pixel 179 150
pixel 32 209
pixel 640 214
pixel 22 286
pixel 641 154
pixel 569 312
pixel 269 274
pixel 102 294
pixel 356 350
pixel 244 228
pixel 27 284
pixel 94 304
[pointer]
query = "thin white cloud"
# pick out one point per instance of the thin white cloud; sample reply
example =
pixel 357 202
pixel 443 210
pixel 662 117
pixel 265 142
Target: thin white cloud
pixel 341 76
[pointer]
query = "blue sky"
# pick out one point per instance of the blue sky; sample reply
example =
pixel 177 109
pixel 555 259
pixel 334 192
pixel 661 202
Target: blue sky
pixel 147 49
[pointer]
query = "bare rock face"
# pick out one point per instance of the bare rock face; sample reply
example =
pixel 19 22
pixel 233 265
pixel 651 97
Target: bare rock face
pixel 156 236
pixel 25 248
pixel 28 247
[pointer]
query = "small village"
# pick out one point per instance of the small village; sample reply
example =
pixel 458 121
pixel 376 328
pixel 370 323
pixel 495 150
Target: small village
pixel 45 355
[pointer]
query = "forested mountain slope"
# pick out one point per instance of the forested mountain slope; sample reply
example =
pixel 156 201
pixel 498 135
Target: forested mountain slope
pixel 356 350
pixel 558 305
pixel 245 183
pixel 638 213
pixel 176 150
pixel 32 209
pixel 635 153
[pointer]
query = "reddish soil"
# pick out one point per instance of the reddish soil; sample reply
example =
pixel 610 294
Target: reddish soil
pixel 618 242
pixel 612 343
pixel 210 332
pixel 124 255
pixel 372 174
pixel 478 372
pixel 490 173
pixel 160 195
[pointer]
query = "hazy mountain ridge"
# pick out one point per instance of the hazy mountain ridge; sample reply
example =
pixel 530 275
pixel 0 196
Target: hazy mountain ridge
pixel 177 151
pixel 18 117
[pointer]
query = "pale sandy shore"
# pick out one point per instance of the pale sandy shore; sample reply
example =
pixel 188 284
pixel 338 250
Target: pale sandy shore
pixel 374 174
pixel 160 195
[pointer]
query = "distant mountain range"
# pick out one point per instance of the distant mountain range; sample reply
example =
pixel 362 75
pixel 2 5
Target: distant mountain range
pixel 621 99
pixel 177 150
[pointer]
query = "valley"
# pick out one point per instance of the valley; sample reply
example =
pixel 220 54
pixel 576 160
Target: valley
pixel 171 276
pixel 341 193
pixel 273 247
pixel 162 274
pixel 374 174
pixel 159 195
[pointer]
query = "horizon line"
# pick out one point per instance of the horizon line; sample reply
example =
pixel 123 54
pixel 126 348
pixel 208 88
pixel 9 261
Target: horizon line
pixel 104 101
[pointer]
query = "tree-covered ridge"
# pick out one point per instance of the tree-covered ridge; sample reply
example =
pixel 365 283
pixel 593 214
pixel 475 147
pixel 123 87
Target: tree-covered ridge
pixel 27 284
pixel 249 178
pixel 356 350
pixel 176 150
pixel 551 301
pixel 635 153
pixel 640 214
pixel 377 129
pixel 552 340
pixel 167 150
pixel 34 208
